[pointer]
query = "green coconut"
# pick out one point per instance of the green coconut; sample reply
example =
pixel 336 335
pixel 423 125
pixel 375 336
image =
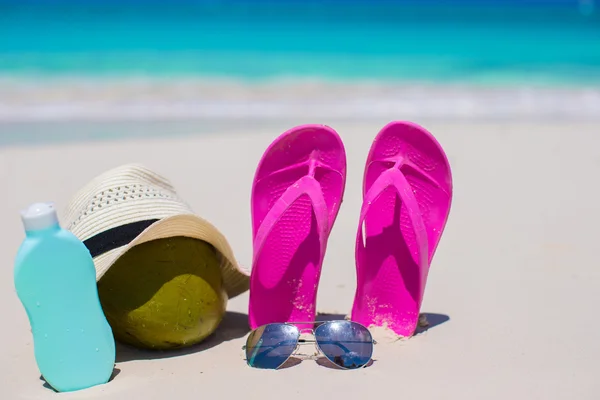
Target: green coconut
pixel 164 294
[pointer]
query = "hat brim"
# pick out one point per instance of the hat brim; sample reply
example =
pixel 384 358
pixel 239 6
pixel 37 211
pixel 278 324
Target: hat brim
pixel 236 280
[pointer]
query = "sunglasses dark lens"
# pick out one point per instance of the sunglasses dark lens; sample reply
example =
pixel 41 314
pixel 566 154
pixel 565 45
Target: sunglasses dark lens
pixel 346 344
pixel 270 346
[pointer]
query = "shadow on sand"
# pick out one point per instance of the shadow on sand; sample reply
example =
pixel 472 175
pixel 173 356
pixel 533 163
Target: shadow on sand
pixel 430 320
pixel 115 372
pixel 233 326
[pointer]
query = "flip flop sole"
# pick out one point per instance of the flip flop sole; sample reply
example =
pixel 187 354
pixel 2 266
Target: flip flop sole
pixel 297 192
pixel 401 228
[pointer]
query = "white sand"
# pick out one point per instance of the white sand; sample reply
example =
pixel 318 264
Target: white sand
pixel 516 271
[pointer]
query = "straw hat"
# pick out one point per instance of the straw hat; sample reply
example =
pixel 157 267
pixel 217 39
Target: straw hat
pixel 130 205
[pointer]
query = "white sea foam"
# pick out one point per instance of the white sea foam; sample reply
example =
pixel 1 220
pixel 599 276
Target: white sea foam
pixel 66 99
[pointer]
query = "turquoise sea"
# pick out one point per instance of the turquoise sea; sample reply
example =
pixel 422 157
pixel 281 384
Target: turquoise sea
pixel 438 41
pixel 498 44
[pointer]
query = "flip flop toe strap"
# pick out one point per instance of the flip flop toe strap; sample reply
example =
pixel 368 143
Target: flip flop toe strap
pixel 395 178
pixel 306 185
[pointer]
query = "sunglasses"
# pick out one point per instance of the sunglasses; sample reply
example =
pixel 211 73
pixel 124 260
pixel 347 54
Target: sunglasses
pixel 347 344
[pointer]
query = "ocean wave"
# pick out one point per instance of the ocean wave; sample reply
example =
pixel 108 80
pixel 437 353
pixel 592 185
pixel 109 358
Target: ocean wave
pixel 151 99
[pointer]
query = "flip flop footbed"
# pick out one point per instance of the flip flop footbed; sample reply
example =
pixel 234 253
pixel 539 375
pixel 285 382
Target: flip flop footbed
pixel 402 226
pixel 297 192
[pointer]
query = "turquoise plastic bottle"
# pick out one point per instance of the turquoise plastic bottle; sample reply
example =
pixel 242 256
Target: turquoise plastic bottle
pixel 55 280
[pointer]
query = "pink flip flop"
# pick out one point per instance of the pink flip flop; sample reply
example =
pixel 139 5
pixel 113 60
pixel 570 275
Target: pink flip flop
pixel 296 195
pixel 407 193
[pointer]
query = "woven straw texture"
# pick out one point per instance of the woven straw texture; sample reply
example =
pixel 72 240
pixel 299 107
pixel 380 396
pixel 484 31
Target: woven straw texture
pixel 133 193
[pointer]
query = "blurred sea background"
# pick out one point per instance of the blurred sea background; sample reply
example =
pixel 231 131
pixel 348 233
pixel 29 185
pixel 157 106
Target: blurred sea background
pixel 65 60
